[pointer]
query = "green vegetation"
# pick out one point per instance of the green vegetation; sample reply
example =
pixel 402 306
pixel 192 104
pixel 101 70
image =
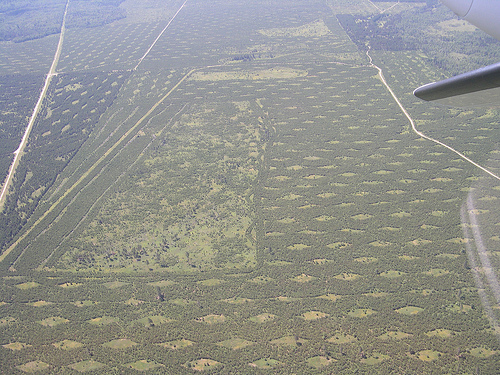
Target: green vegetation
pixel 202 364
pixel 84 366
pixel 67 345
pixel 320 361
pixel 429 29
pixel 409 310
pixel 144 365
pixel 261 318
pixel 177 344
pixel 250 198
pixel 23 20
pixel 16 346
pixel 76 102
pixel 17 100
pixel 395 335
pixel 119 344
pixel 34 366
pixel 94 13
pixel 53 321
pixel 265 363
pixel 289 341
pixel 235 343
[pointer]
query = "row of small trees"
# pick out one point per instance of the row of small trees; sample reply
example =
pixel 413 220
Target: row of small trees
pixel 53 142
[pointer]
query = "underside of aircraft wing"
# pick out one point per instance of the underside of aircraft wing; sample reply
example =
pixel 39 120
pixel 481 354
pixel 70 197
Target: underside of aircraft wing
pixel 479 87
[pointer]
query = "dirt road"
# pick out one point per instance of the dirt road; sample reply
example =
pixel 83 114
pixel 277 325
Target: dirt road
pixel 18 153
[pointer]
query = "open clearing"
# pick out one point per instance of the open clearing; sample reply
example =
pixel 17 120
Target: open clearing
pixel 67 345
pixel 428 355
pixel 16 346
pixel 320 361
pixel 143 365
pixel 341 338
pixel 177 344
pixel 273 73
pixel 203 364
pixel 289 341
pixel 34 366
pixel 262 318
pixel 53 321
pixel 85 366
pixel 119 344
pixel 235 343
pixel 409 310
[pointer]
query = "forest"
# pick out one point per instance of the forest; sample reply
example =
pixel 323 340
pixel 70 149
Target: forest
pixel 22 20
pixel 234 190
pixel 459 48
pixel 17 100
pixel 75 104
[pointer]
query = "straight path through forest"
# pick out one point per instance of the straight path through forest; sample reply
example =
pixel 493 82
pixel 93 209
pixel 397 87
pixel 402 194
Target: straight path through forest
pixel 159 36
pixel 94 166
pixel 104 156
pixel 19 152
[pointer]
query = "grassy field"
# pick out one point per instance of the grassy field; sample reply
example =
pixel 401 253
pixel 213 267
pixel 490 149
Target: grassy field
pixel 250 198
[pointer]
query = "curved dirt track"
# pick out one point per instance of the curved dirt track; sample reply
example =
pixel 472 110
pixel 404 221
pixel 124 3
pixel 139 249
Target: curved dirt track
pixel 413 126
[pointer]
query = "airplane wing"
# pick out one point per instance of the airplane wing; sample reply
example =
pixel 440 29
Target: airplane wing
pixel 480 87
pixel 481 13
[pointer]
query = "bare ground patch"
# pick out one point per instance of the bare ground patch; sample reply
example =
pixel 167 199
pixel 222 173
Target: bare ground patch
pixel 235 343
pixel 16 346
pixel 211 319
pixel 67 345
pixel 320 361
pixel 33 366
pixel 177 344
pixel 202 364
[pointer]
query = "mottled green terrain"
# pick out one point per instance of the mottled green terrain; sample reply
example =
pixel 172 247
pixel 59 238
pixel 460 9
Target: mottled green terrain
pixel 247 198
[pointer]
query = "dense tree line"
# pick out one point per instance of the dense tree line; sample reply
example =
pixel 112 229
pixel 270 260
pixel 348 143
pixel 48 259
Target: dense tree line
pixel 84 13
pixel 474 47
pixel 421 28
pixel 369 31
pixel 76 103
pixel 17 100
pixel 22 20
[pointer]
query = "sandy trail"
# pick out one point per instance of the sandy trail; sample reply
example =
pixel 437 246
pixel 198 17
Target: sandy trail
pixel 98 163
pixel 19 152
pixel 413 126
